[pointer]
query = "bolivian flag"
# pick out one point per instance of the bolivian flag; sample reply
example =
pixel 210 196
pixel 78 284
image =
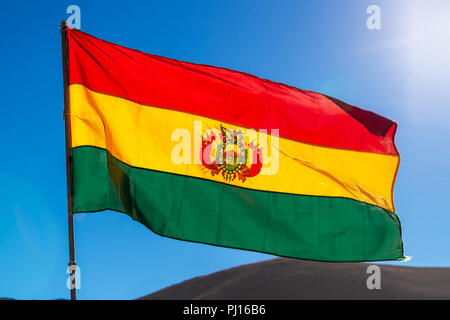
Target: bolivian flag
pixel 216 156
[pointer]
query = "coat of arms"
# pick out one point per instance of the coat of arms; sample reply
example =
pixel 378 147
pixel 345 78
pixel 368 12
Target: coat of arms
pixel 229 154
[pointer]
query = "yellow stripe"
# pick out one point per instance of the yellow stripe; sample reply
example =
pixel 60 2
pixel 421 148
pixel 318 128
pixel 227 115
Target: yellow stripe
pixel 141 136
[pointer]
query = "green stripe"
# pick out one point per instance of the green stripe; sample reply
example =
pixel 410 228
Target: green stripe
pixel 193 209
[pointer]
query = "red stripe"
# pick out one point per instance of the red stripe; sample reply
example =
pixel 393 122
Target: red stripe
pixel 226 95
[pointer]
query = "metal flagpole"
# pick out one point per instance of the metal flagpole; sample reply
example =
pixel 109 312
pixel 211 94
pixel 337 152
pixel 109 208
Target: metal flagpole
pixel 72 263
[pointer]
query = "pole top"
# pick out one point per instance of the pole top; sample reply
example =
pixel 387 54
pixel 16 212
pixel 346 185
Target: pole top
pixel 63 26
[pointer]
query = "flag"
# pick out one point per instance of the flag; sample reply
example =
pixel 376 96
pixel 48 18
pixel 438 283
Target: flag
pixel 221 157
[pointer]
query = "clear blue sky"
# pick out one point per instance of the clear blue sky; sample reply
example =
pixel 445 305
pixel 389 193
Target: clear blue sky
pixel 401 71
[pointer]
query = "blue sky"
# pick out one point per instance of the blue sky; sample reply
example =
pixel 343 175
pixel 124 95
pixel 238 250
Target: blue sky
pixel 400 71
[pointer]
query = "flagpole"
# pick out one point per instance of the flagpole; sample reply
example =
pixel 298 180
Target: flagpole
pixel 66 113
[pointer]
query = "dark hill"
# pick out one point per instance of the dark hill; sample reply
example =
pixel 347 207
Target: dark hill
pixel 297 279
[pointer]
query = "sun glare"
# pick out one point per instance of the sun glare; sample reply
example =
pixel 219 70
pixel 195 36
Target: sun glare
pixel 427 53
